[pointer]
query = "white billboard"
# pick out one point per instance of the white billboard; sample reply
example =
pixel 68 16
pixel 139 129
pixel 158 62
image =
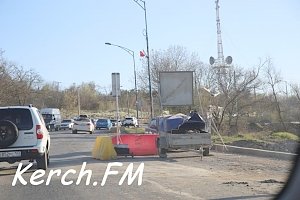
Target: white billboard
pixel 115 77
pixel 176 88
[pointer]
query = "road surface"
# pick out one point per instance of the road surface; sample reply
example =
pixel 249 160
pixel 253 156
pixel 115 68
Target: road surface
pixel 183 175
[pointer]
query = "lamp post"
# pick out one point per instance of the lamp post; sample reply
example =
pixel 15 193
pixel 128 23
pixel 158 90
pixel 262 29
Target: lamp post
pixel 135 86
pixel 142 4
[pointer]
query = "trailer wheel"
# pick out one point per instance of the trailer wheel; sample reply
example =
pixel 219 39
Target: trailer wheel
pixel 206 151
pixel 162 152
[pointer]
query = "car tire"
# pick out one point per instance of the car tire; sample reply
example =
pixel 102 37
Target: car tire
pixel 48 159
pixel 42 162
pixel 74 131
pixel 8 133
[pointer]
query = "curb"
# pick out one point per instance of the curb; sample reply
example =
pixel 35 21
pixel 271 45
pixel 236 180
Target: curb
pixel 254 152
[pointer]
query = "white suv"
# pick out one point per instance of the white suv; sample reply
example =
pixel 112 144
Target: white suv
pixel 23 136
pixel 130 121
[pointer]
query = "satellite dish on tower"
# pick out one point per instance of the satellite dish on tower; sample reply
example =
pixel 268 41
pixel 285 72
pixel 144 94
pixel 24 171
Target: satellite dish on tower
pixel 228 60
pixel 211 60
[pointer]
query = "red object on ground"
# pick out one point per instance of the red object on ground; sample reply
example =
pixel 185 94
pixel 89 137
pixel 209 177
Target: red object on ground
pixel 139 144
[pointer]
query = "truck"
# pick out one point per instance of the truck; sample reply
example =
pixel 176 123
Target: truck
pixel 52 118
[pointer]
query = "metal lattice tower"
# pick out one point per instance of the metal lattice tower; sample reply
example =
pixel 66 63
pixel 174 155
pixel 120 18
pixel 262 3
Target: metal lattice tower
pixel 220 45
pixel 220 63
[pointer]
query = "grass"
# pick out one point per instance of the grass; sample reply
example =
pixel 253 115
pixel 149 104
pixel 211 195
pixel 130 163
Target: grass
pixel 285 136
pixel 231 139
pixel 257 137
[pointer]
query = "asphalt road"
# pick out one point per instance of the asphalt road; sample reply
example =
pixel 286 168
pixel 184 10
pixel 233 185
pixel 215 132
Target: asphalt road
pixel 183 175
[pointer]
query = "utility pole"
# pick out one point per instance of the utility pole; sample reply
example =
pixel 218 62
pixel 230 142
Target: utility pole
pixel 142 4
pixel 127 103
pixel 78 100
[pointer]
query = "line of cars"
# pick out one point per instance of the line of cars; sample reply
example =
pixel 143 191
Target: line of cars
pixel 82 123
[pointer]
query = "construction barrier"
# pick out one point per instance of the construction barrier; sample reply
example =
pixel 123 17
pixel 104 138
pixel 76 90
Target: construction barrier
pixel 103 148
pixel 138 144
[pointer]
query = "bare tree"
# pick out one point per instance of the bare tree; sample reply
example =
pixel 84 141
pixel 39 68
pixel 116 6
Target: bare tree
pixel 273 80
pixel 24 82
pixel 235 86
pixel 296 91
pixel 17 85
pixel 175 58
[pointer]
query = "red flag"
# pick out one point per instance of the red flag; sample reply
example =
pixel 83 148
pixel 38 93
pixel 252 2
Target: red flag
pixel 142 53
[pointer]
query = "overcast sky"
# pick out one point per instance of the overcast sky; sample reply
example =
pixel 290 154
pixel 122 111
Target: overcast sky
pixel 64 40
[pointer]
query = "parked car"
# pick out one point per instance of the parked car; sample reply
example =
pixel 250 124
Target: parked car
pixel 130 121
pixel 67 124
pixel 83 125
pixel 103 123
pixel 24 136
pixel 116 122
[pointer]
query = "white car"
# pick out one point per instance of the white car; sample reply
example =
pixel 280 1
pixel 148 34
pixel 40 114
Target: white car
pixel 67 124
pixel 83 125
pixel 23 136
pixel 130 121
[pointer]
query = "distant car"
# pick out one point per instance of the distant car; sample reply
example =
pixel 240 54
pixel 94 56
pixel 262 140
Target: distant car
pixel 83 125
pixel 130 121
pixel 66 124
pixel 103 123
pixel 83 116
pixel 115 122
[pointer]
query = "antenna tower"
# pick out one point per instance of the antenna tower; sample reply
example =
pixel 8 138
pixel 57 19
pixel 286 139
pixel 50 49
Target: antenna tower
pixel 220 64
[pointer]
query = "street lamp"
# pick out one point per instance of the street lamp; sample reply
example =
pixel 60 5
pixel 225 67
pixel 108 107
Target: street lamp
pixel 135 86
pixel 142 4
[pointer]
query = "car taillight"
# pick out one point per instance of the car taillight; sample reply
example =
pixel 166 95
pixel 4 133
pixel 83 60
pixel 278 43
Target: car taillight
pixel 34 150
pixel 39 132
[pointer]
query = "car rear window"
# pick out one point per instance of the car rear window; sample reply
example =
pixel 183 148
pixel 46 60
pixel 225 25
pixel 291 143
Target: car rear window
pixel 21 117
pixel 129 118
pixel 83 120
pixel 66 121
